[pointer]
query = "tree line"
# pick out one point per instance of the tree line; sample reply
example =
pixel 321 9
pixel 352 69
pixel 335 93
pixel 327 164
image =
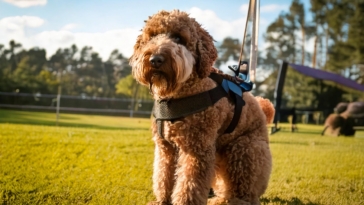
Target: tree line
pixel 335 28
pixel 79 71
pixel 336 32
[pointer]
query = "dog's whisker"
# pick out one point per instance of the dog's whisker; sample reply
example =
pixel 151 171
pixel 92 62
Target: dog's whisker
pixel 150 88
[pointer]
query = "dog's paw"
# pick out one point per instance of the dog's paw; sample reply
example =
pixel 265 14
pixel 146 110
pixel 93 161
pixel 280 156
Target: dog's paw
pixel 222 201
pixel 158 203
pixel 217 201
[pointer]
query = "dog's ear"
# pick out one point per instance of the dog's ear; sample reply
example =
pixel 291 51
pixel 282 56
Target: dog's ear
pixel 206 54
pixel 137 43
pixel 134 60
pixel 134 57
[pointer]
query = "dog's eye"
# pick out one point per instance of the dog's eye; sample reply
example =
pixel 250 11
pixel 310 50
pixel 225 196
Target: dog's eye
pixel 178 39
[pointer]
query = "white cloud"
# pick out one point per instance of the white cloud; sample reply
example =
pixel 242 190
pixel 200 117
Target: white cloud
pixel 27 3
pixel 69 27
pixel 273 8
pixel 15 28
pixel 20 29
pixel 244 8
pixel 102 43
pixel 218 28
pixel 16 22
pixel 310 45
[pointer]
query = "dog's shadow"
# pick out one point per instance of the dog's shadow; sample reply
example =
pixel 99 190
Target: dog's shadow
pixel 292 201
pixel 276 200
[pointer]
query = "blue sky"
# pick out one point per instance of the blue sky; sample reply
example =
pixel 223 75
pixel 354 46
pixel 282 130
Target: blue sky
pixel 114 24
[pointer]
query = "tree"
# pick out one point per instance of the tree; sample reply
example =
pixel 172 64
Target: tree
pixel 356 43
pixel 28 79
pixel 319 9
pixel 12 51
pixel 229 48
pixel 281 46
pixel 5 81
pixel 116 68
pixel 63 65
pixel 128 87
pixel 119 65
pixel 297 16
pixel 281 42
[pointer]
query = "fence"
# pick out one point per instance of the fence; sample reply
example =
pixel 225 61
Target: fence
pixel 77 104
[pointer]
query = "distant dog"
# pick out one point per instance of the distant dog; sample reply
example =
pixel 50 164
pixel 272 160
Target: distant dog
pixel 333 124
pixel 173 57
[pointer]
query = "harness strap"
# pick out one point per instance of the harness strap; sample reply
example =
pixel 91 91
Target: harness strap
pixel 178 108
pixel 160 128
pixel 239 103
pixel 182 107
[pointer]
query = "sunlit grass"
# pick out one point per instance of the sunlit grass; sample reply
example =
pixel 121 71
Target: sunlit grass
pixel 73 120
pixel 49 165
pixel 310 169
pixel 108 160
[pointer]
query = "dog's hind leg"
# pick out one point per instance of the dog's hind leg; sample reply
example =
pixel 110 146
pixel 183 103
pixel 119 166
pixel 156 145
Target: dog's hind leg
pixel 249 165
pixel 163 173
pixel 194 175
pixel 222 185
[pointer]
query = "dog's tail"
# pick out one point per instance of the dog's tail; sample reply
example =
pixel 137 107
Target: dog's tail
pixel 267 108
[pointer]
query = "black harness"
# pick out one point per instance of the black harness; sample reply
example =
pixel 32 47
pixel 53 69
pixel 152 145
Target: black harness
pixel 174 109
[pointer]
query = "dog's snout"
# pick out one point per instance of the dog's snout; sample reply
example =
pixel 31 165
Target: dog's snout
pixel 156 60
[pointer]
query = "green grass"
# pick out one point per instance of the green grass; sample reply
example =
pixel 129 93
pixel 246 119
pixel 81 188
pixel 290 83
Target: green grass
pixel 108 160
pixel 73 120
pixel 310 169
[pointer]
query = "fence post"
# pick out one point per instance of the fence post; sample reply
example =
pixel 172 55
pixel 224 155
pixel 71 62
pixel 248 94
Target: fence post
pixel 58 94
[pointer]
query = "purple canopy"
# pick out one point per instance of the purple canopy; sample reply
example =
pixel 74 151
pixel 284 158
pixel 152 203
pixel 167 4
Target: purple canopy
pixel 324 75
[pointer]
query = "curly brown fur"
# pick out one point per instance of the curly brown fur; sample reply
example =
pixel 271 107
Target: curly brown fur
pixel 173 56
pixel 333 124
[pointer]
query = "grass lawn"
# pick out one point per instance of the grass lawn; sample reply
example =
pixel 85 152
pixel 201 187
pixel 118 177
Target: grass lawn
pixel 108 160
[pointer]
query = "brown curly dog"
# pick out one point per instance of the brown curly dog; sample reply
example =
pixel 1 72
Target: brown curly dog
pixel 174 56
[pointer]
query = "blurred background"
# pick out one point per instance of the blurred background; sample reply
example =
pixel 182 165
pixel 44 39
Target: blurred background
pixel 76 52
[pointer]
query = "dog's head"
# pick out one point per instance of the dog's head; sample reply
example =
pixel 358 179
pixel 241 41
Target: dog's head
pixel 171 48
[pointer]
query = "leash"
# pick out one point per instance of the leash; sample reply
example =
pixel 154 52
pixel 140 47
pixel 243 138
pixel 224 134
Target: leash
pixel 246 70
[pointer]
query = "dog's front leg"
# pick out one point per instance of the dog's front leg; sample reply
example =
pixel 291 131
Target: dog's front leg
pixel 163 173
pixel 194 175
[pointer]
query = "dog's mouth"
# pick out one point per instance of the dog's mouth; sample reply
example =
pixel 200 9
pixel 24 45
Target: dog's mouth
pixel 156 76
pixel 161 81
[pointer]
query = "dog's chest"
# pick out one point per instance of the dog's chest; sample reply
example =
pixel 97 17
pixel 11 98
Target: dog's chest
pixel 209 123
pixel 175 130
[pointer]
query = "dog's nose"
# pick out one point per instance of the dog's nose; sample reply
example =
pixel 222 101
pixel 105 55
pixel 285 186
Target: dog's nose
pixel 156 60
